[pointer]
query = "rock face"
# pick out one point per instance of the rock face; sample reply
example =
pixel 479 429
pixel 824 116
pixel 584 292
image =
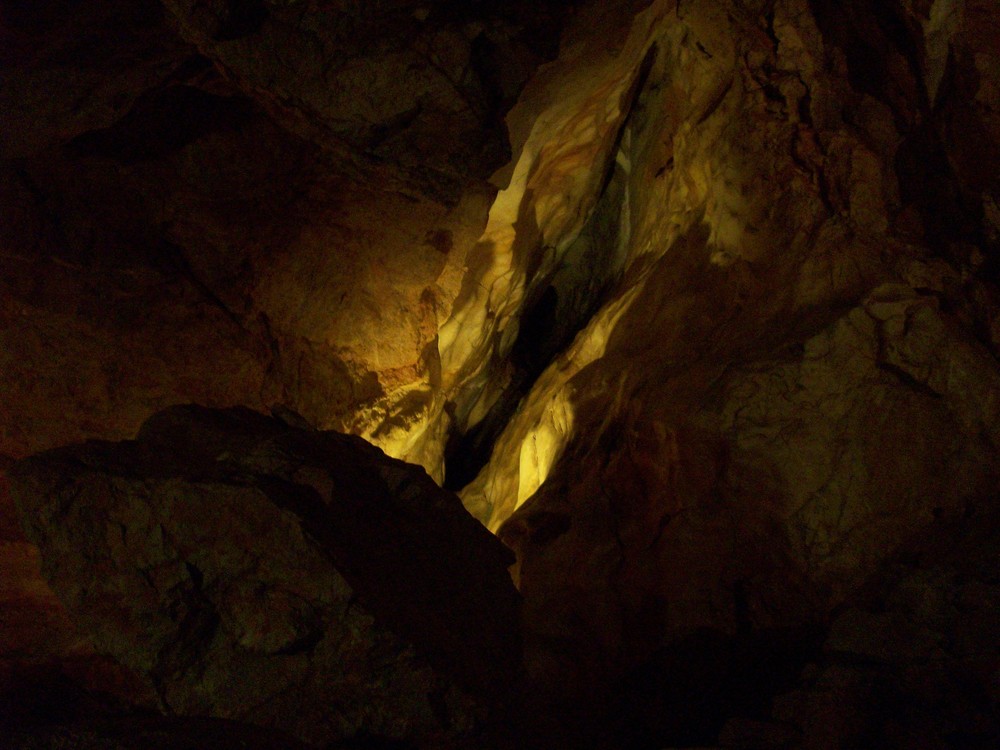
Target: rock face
pixel 911 663
pixel 696 304
pixel 251 570
pixel 299 217
pixel 420 87
pixel 791 370
pixel 187 219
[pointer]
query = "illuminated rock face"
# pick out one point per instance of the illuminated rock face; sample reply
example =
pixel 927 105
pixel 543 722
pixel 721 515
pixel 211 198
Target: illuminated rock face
pixel 795 371
pixel 301 217
pixel 714 342
pixel 179 229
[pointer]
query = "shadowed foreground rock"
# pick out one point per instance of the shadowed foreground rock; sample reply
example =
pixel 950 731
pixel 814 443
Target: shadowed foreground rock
pixel 154 733
pixel 295 579
pixel 910 663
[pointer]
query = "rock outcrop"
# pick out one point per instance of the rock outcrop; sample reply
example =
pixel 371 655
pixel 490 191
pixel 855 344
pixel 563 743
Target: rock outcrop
pixel 254 571
pixel 912 662
pixel 189 220
pixel 293 187
pixel 695 304
pixel 793 370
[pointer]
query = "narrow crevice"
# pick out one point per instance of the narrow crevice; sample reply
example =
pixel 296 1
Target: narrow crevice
pixel 907 379
pixel 561 300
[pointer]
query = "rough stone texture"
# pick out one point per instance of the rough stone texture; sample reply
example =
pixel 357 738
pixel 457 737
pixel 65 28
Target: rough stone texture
pixel 913 662
pixel 421 86
pixel 180 225
pixel 714 344
pixel 58 83
pixel 48 669
pixel 300 580
pixel 294 194
pixel 796 369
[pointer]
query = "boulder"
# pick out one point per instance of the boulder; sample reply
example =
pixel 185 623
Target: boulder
pixel 250 570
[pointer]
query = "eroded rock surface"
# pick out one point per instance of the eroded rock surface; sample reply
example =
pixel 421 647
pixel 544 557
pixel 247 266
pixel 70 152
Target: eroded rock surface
pixel 295 579
pixel 420 86
pixel 712 347
pixel 794 369
pixel 238 203
pixel 912 662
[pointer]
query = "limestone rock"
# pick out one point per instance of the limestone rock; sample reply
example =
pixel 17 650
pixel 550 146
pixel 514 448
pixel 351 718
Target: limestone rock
pixel 167 241
pixel 192 228
pixel 711 347
pixel 421 87
pixel 781 385
pixel 295 579
pixel 914 662
pixel 58 83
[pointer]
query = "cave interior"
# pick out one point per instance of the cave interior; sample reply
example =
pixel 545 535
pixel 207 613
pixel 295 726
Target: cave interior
pixel 448 374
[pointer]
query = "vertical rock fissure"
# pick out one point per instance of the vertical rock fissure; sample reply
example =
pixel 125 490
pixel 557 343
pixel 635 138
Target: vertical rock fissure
pixel 561 300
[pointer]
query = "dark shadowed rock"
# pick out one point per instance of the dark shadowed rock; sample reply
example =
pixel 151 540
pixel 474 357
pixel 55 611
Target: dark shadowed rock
pixel 154 733
pixel 913 662
pixel 295 579
pixel 420 87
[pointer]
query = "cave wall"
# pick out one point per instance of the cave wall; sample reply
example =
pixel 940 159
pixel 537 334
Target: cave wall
pixel 795 371
pixel 696 303
pixel 190 219
pixel 312 217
